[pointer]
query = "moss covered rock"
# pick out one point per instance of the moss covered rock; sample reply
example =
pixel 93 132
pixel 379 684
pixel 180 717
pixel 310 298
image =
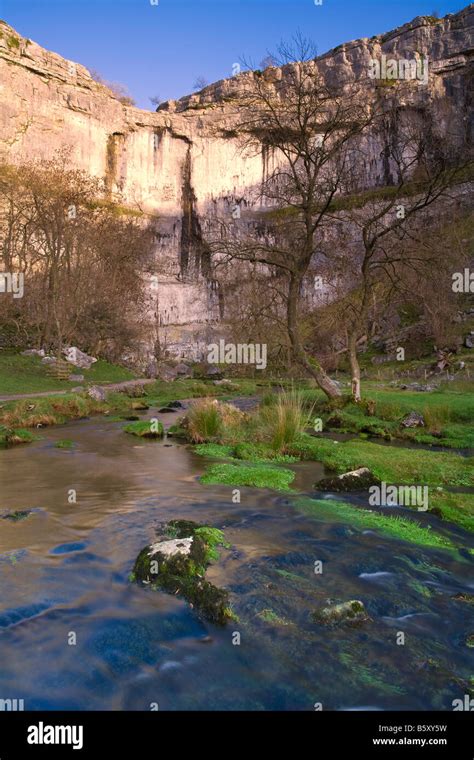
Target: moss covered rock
pixel 177 563
pixel 17 516
pixel 352 613
pixel 151 429
pixel 355 480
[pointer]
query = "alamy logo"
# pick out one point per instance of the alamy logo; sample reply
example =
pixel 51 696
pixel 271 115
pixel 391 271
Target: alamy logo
pixel 399 496
pixel 237 353
pixel 463 704
pixel 463 282
pixel 12 705
pixel 12 283
pixel 399 68
pixel 42 734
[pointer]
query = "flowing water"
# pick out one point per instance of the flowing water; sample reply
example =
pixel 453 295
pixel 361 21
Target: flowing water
pixel 65 577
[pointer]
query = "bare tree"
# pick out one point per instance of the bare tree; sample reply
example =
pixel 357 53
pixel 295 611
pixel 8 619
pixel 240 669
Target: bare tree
pixel 81 257
pixel 307 133
pixel 200 83
pixel 119 90
pixel 386 228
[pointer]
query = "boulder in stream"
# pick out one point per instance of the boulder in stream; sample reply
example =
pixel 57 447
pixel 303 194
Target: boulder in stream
pixel 355 480
pixel 177 562
pixel 351 613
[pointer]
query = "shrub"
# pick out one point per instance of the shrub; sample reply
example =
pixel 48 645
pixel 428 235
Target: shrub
pixel 283 421
pixel 204 421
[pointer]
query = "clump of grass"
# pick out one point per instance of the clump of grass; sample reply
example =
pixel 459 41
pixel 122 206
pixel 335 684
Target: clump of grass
pixel 242 475
pixel 210 420
pixel 13 437
pixel 217 450
pixel 436 417
pixel 203 421
pixel 150 429
pixel 283 421
pixel 64 444
pixel 270 616
pixel 213 538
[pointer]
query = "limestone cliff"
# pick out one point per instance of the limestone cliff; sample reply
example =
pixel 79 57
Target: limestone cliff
pixel 183 164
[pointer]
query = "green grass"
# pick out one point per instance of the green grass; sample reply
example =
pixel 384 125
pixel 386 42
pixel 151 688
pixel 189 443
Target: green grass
pixel 448 415
pixel 248 475
pixel 401 528
pixel 56 410
pixel 457 508
pixel 103 372
pixel 26 374
pixel 270 616
pixel 392 465
pixel 248 452
pixel 65 444
pixel 144 429
pixel 13 437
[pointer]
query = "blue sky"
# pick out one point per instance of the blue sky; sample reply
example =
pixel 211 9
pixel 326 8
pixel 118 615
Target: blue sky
pixel 161 49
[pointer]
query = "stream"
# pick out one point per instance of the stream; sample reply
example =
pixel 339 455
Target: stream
pixel 76 634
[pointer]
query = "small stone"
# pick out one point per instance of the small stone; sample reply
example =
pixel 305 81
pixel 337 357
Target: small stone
pixel 351 613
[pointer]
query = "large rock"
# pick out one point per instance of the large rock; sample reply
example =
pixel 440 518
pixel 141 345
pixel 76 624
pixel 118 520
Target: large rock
pixel 214 373
pixel 177 563
pixel 97 393
pixel 75 356
pixel 33 352
pixel 183 370
pixel 355 480
pixel 413 420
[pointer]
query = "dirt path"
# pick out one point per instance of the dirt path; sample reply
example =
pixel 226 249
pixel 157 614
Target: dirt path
pixel 109 387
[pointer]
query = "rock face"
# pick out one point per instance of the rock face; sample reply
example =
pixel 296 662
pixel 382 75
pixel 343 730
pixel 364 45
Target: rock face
pixel 183 163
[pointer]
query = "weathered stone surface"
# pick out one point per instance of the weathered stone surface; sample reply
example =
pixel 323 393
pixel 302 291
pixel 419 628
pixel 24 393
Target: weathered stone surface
pixel 33 352
pixel 183 164
pixel 414 419
pixel 75 356
pixel 356 480
pixel 177 564
pixel 97 393
pixel 346 613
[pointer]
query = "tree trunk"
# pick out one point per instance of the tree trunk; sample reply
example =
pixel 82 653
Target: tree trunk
pixel 355 368
pixel 312 367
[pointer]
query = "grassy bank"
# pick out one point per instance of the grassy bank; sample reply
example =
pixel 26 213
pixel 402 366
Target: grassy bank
pixel 26 374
